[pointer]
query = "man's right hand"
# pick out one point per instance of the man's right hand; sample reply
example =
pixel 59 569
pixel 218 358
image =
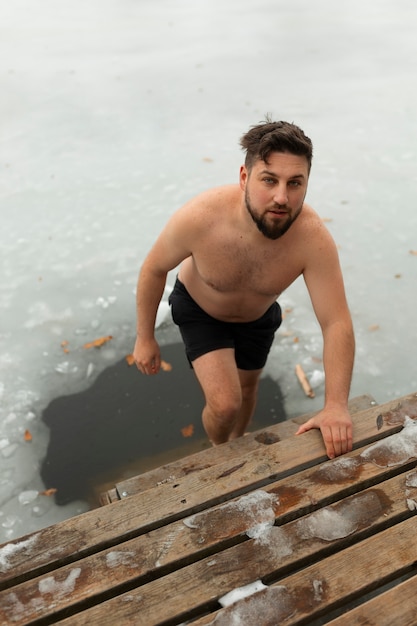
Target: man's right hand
pixel 147 356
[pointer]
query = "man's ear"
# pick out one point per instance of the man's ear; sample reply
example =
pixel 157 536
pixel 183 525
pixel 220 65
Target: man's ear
pixel 243 177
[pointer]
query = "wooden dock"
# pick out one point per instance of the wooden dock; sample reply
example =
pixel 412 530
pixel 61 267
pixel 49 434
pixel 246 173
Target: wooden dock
pixel 309 541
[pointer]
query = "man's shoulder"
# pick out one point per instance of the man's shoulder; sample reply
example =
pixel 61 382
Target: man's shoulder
pixel 221 194
pixel 207 203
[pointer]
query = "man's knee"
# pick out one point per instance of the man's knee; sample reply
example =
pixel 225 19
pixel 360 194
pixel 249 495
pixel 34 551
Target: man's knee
pixel 225 407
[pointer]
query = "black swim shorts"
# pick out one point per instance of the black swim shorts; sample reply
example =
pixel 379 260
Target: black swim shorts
pixel 202 333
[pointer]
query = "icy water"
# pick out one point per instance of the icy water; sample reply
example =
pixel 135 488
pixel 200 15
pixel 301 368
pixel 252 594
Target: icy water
pixel 113 113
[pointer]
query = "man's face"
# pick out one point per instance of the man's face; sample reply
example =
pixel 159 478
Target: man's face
pixel 275 192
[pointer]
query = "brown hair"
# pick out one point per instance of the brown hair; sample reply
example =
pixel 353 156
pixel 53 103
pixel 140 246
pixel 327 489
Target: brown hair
pixel 270 136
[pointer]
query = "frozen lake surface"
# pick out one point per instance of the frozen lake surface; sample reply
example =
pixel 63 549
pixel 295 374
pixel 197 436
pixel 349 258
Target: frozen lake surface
pixel 114 112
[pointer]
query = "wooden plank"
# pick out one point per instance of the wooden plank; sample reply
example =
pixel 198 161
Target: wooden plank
pixel 215 455
pixel 95 530
pixel 131 563
pixel 305 594
pixel 397 606
pixel 314 591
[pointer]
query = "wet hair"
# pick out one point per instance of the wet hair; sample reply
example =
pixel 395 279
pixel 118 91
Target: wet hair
pixel 270 136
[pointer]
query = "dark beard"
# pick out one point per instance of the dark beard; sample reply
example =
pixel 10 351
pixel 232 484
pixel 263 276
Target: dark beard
pixel 271 231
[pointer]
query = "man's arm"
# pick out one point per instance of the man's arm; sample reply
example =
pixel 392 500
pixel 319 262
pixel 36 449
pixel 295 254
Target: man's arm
pixel 324 281
pixel 173 245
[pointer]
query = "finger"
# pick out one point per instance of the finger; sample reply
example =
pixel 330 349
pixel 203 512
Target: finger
pixel 347 442
pixel 155 366
pixel 307 426
pixel 328 442
pixel 337 442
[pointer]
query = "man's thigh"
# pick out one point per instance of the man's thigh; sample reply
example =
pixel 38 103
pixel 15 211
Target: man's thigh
pixel 218 375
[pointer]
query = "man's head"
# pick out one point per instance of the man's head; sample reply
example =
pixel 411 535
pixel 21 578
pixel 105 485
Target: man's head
pixel 261 140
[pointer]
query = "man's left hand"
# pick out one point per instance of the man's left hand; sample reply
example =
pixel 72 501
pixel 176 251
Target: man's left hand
pixel 336 430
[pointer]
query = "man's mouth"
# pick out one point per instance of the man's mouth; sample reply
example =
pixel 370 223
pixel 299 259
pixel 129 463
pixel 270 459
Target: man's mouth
pixel 278 212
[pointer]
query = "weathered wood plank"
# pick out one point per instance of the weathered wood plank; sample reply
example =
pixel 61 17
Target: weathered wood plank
pixel 307 593
pixel 215 455
pixel 72 539
pixel 324 586
pixel 278 551
pixel 397 606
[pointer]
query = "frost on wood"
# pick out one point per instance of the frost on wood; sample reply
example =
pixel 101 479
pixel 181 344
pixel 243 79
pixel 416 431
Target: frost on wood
pixel 268 606
pixel 10 549
pixel 244 513
pixel 50 589
pixel 396 449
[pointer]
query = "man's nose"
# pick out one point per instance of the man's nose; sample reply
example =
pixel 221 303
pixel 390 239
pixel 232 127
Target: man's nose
pixel 281 195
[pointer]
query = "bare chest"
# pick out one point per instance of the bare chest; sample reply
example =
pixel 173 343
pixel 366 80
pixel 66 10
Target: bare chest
pixel 235 267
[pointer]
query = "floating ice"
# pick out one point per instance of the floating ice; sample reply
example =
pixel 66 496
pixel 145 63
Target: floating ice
pixel 10 549
pixel 396 449
pixel 26 497
pixel 162 313
pixel 90 369
pixel 316 378
pixel 63 368
pixel 10 418
pixel 8 451
pixel 104 303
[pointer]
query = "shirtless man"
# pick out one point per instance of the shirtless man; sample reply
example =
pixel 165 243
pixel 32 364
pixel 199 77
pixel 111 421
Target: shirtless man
pixel 239 247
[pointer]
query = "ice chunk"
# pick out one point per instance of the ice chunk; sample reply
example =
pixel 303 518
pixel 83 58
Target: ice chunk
pixel 244 513
pixel 8 451
pixel 90 369
pixel 268 606
pixel 63 368
pixel 411 479
pixel 316 378
pixel 118 557
pixel 331 523
pixel 241 592
pixel 318 590
pixel 4 443
pixel 325 524
pixel 260 531
pixel 277 539
pixel 338 470
pixel 59 589
pixel 411 504
pixel 396 449
pixel 10 549
pixel 162 313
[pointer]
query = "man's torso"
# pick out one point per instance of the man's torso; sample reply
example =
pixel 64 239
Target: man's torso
pixel 236 274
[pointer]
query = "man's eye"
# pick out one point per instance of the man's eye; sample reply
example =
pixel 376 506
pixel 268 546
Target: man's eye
pixel 294 183
pixel 269 181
